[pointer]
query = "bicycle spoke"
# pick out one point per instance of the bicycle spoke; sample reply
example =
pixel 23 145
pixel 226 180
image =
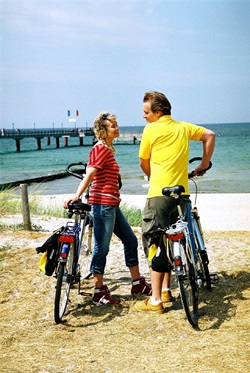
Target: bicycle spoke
pixel 86 253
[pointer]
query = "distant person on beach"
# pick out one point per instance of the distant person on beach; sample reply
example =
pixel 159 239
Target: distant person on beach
pixel 164 152
pixel 103 171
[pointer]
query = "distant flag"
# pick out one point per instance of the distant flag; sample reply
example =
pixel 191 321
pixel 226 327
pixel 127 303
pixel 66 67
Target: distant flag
pixel 68 113
pixel 77 113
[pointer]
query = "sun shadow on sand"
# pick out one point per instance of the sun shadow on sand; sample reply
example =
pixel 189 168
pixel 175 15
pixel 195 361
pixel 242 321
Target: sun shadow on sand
pixel 215 307
pixel 221 303
pixel 92 314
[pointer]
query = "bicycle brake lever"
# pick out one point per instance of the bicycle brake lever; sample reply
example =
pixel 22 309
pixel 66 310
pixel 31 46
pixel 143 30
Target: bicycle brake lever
pixel 199 173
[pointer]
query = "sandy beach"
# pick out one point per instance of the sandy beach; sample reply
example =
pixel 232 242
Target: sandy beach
pixel 219 212
pixel 94 339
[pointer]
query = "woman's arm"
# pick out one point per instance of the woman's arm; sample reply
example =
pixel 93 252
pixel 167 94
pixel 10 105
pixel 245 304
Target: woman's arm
pixel 90 173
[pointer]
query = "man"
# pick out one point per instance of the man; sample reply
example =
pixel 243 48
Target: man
pixel 164 153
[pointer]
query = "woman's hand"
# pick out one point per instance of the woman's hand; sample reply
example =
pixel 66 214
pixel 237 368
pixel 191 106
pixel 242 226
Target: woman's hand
pixel 70 200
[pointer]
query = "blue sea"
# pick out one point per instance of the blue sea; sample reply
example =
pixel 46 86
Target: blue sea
pixel 230 172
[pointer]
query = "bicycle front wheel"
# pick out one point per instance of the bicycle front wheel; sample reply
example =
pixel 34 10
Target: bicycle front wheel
pixel 188 289
pixel 86 250
pixel 203 259
pixel 202 256
pixel 64 278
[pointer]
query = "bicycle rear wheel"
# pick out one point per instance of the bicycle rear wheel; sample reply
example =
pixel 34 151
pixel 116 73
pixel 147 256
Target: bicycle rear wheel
pixel 64 278
pixel 188 289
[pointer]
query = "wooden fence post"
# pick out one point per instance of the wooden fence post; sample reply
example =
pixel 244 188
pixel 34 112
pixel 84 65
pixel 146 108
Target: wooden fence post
pixel 25 207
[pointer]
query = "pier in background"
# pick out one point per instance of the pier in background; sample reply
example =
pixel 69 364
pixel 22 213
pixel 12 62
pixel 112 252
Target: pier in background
pixel 17 135
pixel 39 134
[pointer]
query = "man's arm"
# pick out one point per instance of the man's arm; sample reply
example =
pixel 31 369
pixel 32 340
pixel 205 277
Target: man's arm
pixel 145 166
pixel 208 139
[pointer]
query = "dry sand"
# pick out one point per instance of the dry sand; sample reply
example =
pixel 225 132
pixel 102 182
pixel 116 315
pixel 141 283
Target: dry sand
pixel 120 339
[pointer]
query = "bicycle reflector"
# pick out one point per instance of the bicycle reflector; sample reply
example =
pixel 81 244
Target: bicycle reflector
pixel 65 251
pixel 67 238
pixel 177 261
pixel 175 237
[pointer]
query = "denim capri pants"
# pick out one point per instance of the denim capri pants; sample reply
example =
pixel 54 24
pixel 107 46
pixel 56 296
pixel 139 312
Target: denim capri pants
pixel 108 220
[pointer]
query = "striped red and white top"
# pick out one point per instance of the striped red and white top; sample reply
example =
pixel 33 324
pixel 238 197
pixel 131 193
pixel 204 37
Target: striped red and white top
pixel 105 189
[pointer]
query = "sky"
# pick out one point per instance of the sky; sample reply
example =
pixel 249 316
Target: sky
pixel 86 55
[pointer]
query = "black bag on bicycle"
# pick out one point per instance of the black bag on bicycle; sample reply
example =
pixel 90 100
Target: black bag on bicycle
pixel 159 261
pixel 50 250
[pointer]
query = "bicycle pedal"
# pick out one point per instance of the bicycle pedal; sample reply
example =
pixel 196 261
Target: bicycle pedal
pixel 86 294
pixel 214 278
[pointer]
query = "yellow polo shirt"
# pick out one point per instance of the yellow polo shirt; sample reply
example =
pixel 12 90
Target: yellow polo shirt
pixel 166 144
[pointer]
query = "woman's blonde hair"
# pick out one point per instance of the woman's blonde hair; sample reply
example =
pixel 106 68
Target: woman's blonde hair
pixel 100 127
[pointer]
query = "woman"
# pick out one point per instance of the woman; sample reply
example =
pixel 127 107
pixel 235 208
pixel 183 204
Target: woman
pixel 103 171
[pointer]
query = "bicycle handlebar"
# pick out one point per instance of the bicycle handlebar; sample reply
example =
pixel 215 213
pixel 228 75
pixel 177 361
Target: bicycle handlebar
pixel 191 174
pixel 77 173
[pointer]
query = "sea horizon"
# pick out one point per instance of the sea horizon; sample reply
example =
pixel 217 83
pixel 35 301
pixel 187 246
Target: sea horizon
pixel 229 174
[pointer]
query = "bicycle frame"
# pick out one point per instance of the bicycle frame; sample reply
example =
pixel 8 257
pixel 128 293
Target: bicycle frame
pixel 68 271
pixel 186 251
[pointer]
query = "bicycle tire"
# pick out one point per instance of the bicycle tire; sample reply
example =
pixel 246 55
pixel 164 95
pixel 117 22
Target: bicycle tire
pixel 188 289
pixel 64 278
pixel 202 257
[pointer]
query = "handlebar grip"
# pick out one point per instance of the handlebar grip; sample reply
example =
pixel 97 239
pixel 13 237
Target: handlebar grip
pixel 191 174
pixel 74 173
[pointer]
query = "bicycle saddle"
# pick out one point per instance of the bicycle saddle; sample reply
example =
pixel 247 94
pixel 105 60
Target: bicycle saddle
pixel 178 189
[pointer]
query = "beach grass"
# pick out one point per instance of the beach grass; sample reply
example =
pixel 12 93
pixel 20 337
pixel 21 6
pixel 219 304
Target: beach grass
pixel 10 203
pixel 133 215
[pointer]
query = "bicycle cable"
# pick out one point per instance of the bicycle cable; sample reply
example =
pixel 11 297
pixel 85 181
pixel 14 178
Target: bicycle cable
pixel 196 191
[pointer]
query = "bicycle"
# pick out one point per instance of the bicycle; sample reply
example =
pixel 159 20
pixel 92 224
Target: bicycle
pixel 75 249
pixel 186 251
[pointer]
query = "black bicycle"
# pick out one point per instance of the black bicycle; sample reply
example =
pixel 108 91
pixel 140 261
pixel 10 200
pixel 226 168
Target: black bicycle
pixel 75 250
pixel 187 253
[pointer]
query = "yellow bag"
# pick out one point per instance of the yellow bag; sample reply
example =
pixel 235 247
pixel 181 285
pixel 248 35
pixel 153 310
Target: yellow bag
pixel 157 256
pixel 152 252
pixel 50 250
pixel 42 262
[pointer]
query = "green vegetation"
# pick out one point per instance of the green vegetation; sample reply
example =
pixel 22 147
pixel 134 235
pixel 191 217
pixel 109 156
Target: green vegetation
pixel 10 203
pixel 133 216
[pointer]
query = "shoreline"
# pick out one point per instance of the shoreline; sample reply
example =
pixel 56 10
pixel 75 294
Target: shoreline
pixel 218 212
